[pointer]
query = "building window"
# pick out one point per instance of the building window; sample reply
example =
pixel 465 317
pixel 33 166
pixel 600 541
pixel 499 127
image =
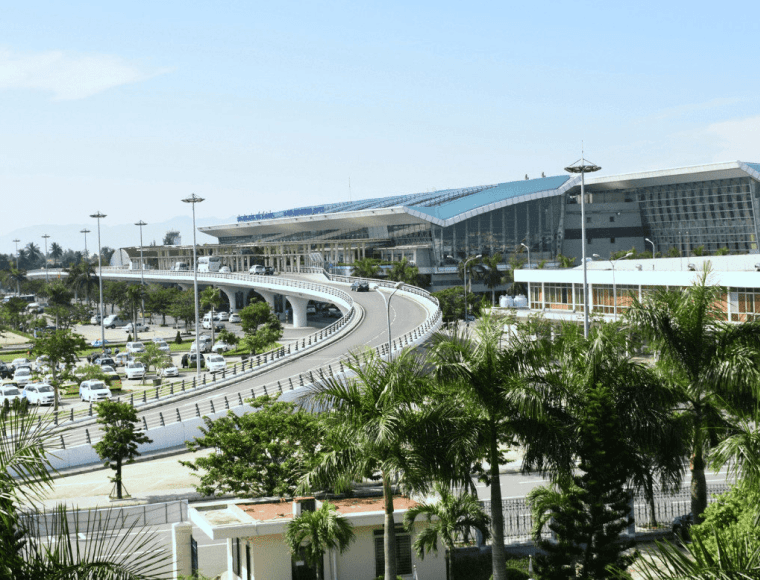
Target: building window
pixel 612 218
pixel 588 219
pixel 236 556
pixel 612 240
pixel 588 241
pixel 403 552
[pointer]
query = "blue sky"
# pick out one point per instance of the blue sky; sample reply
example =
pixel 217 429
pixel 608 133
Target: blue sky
pixel 270 105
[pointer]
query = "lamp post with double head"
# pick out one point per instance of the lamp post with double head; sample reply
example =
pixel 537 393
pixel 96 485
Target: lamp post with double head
pixel 46 258
pixel 193 199
pixel 142 275
pixel 583 168
pixel 387 301
pixel 99 216
pixel 85 231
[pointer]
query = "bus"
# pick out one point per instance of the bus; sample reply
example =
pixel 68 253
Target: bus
pixel 209 264
pixel 28 298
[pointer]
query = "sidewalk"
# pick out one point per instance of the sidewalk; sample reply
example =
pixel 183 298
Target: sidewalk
pixel 151 479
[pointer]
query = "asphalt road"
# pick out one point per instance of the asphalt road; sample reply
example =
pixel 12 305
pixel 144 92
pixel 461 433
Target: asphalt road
pixel 406 314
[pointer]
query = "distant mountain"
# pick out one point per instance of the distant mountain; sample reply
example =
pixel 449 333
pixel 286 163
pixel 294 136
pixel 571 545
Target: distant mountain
pixel 112 235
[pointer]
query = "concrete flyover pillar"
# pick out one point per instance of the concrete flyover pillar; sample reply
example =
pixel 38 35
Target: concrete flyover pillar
pixel 229 292
pixel 298 305
pixel 184 286
pixel 182 533
pixel 268 296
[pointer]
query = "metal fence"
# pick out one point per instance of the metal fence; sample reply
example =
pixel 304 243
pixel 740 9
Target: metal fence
pixel 89 521
pixel 518 518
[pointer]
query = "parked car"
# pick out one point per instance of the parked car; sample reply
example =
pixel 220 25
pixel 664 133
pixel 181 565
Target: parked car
pixel 135 347
pixel 105 360
pixel 205 345
pixel 111 373
pixel 20 363
pixel 311 309
pixel 135 370
pixel 42 364
pixel 215 363
pixel 39 394
pixel 360 286
pixel 95 319
pixel 235 317
pixel 224 270
pixel 269 270
pixel 224 316
pixel 162 345
pixel 9 392
pixel 139 326
pixel 221 346
pixel 122 359
pixel 189 360
pixel 333 312
pixel 22 376
pixel 5 371
pixel 257 270
pixel 217 325
pixel 94 390
pixel 98 343
pixel 170 371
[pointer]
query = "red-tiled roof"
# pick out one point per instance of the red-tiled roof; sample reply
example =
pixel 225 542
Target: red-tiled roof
pixel 284 510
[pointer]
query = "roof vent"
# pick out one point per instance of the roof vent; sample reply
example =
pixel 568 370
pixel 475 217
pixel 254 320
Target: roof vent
pixel 757 267
pixel 526 177
pixel 692 267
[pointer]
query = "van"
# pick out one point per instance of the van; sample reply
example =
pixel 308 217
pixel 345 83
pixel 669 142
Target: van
pixel 113 321
pixel 180 267
pixel 257 270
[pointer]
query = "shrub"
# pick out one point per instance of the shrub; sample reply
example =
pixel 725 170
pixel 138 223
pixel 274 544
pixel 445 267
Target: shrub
pixel 178 338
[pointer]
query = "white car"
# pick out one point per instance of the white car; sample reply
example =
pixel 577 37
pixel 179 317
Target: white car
pixel 224 316
pixel 21 362
pixel 205 345
pixel 135 370
pixel 235 317
pixel 9 392
pixel 162 345
pixel 110 372
pixel 221 347
pixel 170 371
pixel 135 347
pixel 22 376
pixel 42 364
pixel 39 394
pixel 217 325
pixel 95 319
pixel 94 390
pixel 215 363
pixel 140 327
pixel 257 270
pixel 224 270
pixel 122 359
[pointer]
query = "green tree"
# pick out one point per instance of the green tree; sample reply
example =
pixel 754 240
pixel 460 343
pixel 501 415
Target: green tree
pixel 59 301
pixel 33 255
pixel 183 307
pixel 405 272
pixel 61 347
pixel 82 278
pixel 313 533
pixel 366 268
pixel 29 551
pixel 133 297
pixel 379 424
pixel 565 261
pixel 485 378
pixel 211 298
pixel 261 327
pixel 16 275
pixel 592 508
pixel 159 299
pixel 228 336
pixel 120 438
pixel 114 293
pixel 490 274
pixel 451 302
pixel 447 519
pixel 710 364
pixel 56 252
pixel 263 453
pixel 152 357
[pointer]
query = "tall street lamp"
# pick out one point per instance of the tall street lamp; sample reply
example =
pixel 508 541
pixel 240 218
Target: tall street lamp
pixel 142 276
pixel 193 199
pixel 18 287
pixel 527 248
pixel 582 168
pixel 85 231
pixel 387 301
pixel 654 249
pixel 99 216
pixel 46 257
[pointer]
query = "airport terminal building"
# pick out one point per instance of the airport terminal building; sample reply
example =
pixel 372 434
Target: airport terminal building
pixel 705 209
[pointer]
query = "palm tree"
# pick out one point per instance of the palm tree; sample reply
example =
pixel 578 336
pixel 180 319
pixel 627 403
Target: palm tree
pixel 405 272
pixel 56 251
pixel 380 423
pixel 448 518
pixel 486 380
pixel 30 552
pixel 711 365
pixel 132 299
pixel 315 532
pixel 59 297
pixel 82 277
pixel 33 254
pixel 366 268
pixel 15 275
pixel 491 276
